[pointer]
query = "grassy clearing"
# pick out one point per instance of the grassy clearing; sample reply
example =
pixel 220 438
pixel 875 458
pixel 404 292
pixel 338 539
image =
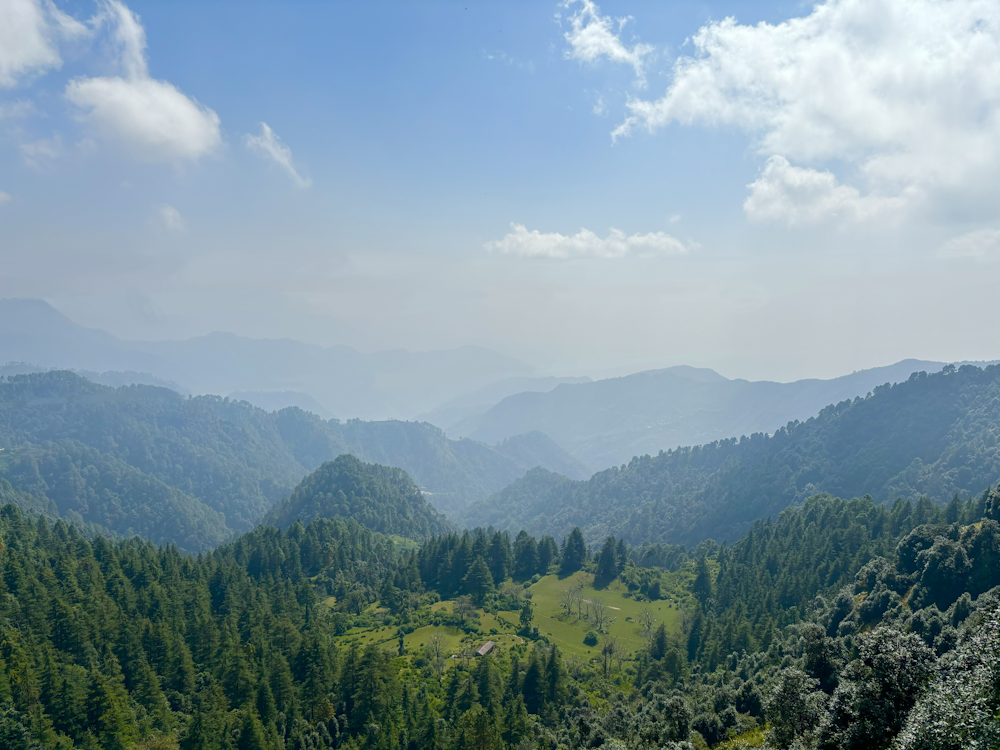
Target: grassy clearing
pixel 565 631
pixel 753 738
pixel 568 631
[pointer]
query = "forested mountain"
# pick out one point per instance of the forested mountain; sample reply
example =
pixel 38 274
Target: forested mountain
pixel 454 472
pixel 113 378
pixel 381 498
pixel 347 382
pixel 933 435
pixel 840 626
pixel 278 400
pixel 145 460
pixel 607 422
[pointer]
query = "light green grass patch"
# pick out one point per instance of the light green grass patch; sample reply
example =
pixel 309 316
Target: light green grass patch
pixel 420 637
pixel 753 738
pixel 568 631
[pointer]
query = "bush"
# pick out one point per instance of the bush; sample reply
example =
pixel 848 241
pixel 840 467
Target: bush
pixel 590 639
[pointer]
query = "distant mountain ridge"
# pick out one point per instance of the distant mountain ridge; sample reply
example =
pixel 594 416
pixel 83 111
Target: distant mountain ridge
pixel 347 382
pixel 461 408
pixel 934 435
pixel 607 422
pixel 193 470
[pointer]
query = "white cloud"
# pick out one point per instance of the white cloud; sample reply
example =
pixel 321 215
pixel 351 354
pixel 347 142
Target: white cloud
pixel 41 153
pixel 269 145
pixel 30 32
pixel 171 218
pixel 904 92
pixel 593 36
pixel 983 244
pixel 584 244
pixel 16 110
pixel 4 197
pixel 152 118
pixel 800 196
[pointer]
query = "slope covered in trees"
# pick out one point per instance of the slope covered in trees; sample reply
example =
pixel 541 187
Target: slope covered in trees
pixel 905 655
pixel 933 435
pixel 884 631
pixel 607 422
pixel 381 498
pixel 144 460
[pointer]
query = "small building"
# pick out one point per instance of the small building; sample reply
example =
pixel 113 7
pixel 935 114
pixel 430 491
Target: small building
pixel 485 648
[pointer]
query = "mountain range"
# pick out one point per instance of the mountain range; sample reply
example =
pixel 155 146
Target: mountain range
pixel 932 435
pixel 145 460
pixel 346 382
pixel 608 422
pixel 599 423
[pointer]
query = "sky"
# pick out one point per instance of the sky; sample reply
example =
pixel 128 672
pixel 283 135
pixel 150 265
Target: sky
pixel 773 189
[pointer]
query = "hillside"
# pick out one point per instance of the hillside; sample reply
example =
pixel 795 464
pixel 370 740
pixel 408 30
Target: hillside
pixel 933 435
pixel 840 625
pixel 607 422
pixel 144 460
pixel 453 472
pixel 381 498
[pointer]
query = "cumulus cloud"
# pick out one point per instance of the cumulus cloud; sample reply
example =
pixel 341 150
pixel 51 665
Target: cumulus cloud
pixel 584 244
pixel 982 244
pixel 152 118
pixel 171 218
pixel 800 196
pixel 904 92
pixel 270 146
pixel 30 33
pixel 592 37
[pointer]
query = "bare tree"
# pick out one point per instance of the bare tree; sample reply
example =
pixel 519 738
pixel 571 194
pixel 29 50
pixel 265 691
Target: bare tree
pixel 511 592
pixel 646 621
pixel 567 599
pixel 574 665
pixel 435 651
pixel 599 612
pixel 436 645
pixel 464 608
pixel 618 652
pixel 607 649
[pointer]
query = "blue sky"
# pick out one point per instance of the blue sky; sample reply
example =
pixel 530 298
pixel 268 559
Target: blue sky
pixel 597 188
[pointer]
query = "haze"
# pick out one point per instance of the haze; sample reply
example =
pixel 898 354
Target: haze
pixel 772 190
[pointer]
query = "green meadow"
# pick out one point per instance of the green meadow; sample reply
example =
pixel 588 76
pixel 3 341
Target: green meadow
pixel 565 630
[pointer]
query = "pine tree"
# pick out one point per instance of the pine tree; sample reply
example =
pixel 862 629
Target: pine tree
pixel 703 587
pixel 607 562
pixel 526 561
pixel 498 556
pixel 526 615
pixel 478 582
pixel 574 553
pixel 533 686
pixel 548 553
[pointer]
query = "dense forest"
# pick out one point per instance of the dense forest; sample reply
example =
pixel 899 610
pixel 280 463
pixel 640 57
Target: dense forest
pixel 841 624
pixel 933 435
pixel 381 498
pixel 194 471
